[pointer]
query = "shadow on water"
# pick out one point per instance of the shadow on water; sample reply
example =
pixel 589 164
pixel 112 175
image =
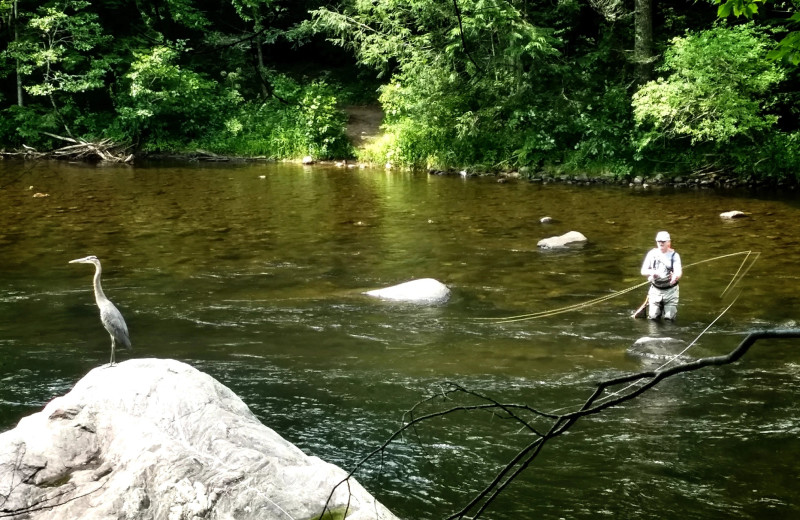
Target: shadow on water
pixel 254 274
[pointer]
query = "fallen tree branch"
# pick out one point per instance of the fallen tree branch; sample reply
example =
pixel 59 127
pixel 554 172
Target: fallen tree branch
pixel 104 150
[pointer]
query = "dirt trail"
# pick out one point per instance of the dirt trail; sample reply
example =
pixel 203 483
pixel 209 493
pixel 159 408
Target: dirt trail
pixel 364 123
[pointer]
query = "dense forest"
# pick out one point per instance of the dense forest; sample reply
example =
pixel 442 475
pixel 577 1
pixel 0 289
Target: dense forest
pixel 610 88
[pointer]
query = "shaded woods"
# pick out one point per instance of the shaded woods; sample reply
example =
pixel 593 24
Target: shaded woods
pixel 606 88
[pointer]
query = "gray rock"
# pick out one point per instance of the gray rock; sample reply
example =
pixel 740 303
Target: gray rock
pixel 424 290
pixel 562 241
pixel 158 439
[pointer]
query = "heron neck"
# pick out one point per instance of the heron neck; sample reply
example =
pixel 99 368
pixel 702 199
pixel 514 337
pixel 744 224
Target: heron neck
pixel 98 289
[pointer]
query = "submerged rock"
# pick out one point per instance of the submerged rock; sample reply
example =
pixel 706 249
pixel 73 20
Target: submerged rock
pixel 657 349
pixel 564 240
pixel 424 290
pixel 158 439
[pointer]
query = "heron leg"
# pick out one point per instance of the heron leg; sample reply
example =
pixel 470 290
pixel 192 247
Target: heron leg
pixel 113 346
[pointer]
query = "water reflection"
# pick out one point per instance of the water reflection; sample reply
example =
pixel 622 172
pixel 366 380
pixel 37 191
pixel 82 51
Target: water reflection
pixel 253 273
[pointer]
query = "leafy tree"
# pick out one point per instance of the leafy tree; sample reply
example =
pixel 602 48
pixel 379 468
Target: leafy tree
pixel 161 105
pixel 716 88
pixel 463 74
pixel 60 53
pixel 788 49
pixel 172 20
pixel 307 122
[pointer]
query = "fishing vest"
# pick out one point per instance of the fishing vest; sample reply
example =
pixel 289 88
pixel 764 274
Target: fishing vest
pixel 660 284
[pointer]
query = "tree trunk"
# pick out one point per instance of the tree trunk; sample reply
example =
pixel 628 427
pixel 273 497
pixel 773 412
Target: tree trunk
pixel 20 101
pixel 643 44
pixel 264 89
pixel 257 28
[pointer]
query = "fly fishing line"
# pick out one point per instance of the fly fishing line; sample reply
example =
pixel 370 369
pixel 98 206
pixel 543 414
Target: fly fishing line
pixel 553 312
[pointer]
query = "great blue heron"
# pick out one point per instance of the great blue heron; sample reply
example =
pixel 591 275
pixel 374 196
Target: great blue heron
pixel 109 314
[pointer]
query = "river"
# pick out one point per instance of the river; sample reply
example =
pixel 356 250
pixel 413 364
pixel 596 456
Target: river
pixel 253 272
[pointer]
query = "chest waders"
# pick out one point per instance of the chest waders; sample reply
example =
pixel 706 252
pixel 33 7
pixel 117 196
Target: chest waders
pixel 663 298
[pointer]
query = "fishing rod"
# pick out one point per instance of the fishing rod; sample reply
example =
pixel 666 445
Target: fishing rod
pixel 553 312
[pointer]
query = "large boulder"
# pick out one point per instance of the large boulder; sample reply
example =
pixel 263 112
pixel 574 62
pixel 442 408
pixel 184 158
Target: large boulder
pixel 424 290
pixel 158 439
pixel 572 237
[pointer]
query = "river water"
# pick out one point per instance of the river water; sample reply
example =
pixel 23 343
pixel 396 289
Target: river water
pixel 254 274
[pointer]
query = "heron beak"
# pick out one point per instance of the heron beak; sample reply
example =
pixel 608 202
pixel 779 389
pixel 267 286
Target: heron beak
pixel 78 261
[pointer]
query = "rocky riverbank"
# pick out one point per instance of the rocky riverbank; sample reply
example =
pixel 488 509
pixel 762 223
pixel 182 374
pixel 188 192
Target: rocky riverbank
pixel 695 180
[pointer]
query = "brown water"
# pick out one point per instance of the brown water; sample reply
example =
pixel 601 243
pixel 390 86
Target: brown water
pixel 253 273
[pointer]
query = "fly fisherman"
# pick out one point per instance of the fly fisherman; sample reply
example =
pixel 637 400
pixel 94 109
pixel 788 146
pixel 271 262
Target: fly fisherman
pixel 662 267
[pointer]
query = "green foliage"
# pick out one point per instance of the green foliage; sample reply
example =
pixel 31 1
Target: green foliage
pixel 166 16
pixel 716 88
pixel 777 159
pixel 606 132
pixel 481 83
pixel 162 105
pixel 307 123
pixel 720 98
pixel 788 49
pixel 323 124
pixel 172 78
pixel 57 50
pixel 60 53
pixel 459 78
pixel 23 125
pixel 165 107
pixel 747 8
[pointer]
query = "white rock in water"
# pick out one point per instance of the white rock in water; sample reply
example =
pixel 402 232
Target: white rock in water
pixel 424 290
pixel 733 214
pixel 155 439
pixel 658 348
pixel 562 241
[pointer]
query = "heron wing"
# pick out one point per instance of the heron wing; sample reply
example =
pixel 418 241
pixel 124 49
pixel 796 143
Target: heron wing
pixel 114 323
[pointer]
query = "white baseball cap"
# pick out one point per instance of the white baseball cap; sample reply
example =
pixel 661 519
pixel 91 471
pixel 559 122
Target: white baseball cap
pixel 662 236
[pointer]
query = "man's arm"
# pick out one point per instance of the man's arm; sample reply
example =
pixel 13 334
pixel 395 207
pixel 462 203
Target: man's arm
pixel 677 269
pixel 647 265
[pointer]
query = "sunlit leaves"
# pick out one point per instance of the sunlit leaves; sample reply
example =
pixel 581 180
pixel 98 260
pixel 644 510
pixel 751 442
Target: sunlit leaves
pixel 179 12
pixel 788 49
pixel 716 87
pixel 747 8
pixel 55 52
pixel 161 98
pixel 459 70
